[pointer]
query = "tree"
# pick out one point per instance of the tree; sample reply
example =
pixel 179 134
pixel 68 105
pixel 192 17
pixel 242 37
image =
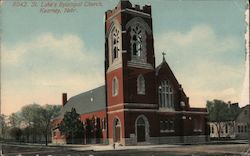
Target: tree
pixel 89 129
pixel 15 133
pixel 71 125
pixel 47 113
pixel 31 117
pixel 219 112
pixel 38 120
pixel 15 119
pixel 3 125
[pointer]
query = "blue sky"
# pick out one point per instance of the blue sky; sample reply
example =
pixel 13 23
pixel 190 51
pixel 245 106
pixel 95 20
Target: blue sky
pixel 47 54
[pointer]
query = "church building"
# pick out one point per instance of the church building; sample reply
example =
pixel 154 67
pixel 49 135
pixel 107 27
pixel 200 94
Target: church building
pixel 140 103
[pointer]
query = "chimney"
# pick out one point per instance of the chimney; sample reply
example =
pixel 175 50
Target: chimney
pixel 64 98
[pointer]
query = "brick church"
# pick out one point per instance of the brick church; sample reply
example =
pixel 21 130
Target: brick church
pixel 140 103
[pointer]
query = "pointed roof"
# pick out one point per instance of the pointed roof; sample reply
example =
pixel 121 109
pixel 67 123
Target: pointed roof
pixel 162 64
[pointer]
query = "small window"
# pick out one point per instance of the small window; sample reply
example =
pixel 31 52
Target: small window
pixel 226 129
pixel 166 126
pixel 140 85
pixel 212 129
pixel 239 129
pixel 114 86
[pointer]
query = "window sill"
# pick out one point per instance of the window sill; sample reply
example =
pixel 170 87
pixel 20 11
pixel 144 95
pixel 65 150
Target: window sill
pixel 197 130
pixel 166 109
pixel 141 93
pixel 167 131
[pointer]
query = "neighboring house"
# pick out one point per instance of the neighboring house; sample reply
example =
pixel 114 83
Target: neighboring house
pixel 139 103
pixel 242 123
pixel 239 128
pixel 227 130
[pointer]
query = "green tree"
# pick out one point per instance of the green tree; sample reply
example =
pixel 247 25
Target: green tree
pixel 71 125
pixel 89 129
pixel 15 119
pixel 3 125
pixel 15 133
pixel 38 120
pixel 219 112
pixel 31 117
pixel 47 113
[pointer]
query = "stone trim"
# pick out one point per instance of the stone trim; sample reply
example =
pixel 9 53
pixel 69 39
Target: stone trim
pixel 196 139
pixel 134 105
pixel 142 23
pixel 114 67
pixel 135 12
pixel 140 65
pixel 147 127
pixel 155 110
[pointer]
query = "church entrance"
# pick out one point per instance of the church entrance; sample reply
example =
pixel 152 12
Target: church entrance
pixel 141 130
pixel 117 130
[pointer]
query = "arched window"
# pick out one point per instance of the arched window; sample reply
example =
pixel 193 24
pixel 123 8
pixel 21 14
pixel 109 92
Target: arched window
pixel 138 42
pixel 140 85
pixel 166 95
pixel 115 43
pixel 114 86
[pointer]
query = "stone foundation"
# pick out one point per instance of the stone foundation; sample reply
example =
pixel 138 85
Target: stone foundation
pixel 166 140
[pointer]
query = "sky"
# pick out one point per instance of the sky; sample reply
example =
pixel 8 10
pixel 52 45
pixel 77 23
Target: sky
pixel 46 54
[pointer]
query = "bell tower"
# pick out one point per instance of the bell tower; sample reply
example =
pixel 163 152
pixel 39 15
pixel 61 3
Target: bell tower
pixel 129 64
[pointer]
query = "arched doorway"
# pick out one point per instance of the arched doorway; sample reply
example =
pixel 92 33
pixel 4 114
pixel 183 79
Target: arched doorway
pixel 142 128
pixel 117 130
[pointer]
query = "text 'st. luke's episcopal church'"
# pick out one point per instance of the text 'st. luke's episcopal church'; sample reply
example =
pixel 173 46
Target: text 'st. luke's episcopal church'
pixel 139 103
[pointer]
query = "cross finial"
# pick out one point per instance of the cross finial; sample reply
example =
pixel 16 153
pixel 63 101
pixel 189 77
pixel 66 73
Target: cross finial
pixel 163 54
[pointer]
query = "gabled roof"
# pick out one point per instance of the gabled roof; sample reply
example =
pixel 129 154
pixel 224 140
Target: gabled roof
pixel 86 102
pixel 164 64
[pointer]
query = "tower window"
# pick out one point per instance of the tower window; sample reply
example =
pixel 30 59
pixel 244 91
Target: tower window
pixel 138 39
pixel 114 86
pixel 115 43
pixel 140 85
pixel 166 95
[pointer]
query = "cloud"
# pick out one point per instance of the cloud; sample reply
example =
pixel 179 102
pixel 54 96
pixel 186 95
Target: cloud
pixel 228 94
pixel 199 39
pixel 207 64
pixel 39 70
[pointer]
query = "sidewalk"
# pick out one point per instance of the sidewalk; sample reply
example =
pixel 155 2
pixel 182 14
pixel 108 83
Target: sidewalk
pixel 118 147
